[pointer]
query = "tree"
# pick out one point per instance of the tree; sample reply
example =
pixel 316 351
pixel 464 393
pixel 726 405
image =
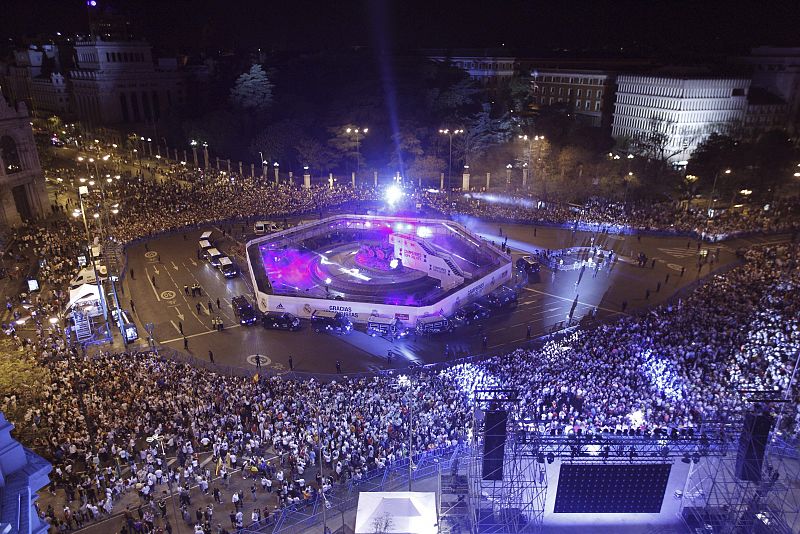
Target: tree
pixel 480 133
pixel 715 154
pixel 314 154
pixel 252 91
pixel 275 142
pixel 406 147
pixel 427 167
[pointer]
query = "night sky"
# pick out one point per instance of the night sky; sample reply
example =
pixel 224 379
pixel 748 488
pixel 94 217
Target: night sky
pixel 639 28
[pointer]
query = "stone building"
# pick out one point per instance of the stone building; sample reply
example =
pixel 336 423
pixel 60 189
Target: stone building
pixel 22 188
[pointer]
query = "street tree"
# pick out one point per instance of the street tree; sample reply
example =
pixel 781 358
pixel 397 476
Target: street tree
pixel 252 91
pixel 314 154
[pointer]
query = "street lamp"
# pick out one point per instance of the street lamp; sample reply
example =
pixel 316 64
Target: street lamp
pixel 530 143
pixel 508 175
pixel 713 189
pixel 405 382
pixel 357 133
pixel 160 440
pixel 450 133
pixel 193 144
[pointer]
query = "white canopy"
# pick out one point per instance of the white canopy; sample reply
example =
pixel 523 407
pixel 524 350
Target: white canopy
pixel 396 512
pixel 85 294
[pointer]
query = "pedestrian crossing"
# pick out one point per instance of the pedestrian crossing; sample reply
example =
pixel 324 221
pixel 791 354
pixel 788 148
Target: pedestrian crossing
pixel 679 252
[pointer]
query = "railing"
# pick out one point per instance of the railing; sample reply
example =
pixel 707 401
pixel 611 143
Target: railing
pixel 344 497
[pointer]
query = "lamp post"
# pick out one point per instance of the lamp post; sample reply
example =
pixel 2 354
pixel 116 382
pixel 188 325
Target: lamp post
pixel 744 192
pixel 450 133
pixel 104 236
pixel 84 190
pixel 276 167
pixel 205 154
pixel 405 382
pixel 193 143
pixel 160 440
pixel 357 133
pixel 508 176
pixel 528 140
pixel 713 189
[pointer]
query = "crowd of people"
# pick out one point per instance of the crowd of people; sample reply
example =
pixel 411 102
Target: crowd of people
pixel 616 217
pixel 675 367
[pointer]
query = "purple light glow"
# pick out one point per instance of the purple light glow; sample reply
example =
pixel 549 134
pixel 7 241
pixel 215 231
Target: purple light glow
pixel 91 3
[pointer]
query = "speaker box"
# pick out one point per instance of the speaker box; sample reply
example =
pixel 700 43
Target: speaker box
pixel 494 444
pixel 752 444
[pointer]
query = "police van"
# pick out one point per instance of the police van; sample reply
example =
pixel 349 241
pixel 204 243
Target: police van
pixel 330 321
pixel 205 236
pixel 203 245
pixel 227 267
pixel 265 227
pixel 433 324
pixel 128 327
pixel 213 256
pixel 387 327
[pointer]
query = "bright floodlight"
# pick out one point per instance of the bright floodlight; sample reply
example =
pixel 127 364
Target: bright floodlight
pixel 394 263
pixel 393 194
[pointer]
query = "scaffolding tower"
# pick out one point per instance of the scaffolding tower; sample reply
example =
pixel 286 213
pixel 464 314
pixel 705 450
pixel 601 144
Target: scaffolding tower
pixel 719 499
pixel 513 501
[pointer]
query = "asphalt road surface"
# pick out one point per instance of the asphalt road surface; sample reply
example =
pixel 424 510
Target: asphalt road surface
pixel 162 267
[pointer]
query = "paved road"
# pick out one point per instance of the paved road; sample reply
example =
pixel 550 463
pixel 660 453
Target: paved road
pixel 172 262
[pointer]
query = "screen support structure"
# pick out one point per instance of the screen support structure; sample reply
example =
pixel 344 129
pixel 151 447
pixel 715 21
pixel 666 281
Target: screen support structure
pixel 514 503
pixel 714 495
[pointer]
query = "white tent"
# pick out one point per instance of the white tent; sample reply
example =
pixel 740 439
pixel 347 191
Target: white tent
pixel 86 294
pixel 396 512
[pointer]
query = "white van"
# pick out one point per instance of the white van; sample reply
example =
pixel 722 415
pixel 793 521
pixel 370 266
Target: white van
pixel 205 236
pixel 213 255
pixel 86 276
pixel 204 245
pixel 265 227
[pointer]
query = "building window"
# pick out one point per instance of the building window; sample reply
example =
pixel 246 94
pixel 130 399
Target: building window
pixel 578 104
pixel 586 107
pixel 108 57
pixel 580 93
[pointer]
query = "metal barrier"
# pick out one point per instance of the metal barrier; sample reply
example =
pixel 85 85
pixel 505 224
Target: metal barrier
pixel 344 498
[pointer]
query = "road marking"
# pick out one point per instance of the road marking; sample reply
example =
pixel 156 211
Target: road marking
pixel 678 252
pixel 178 312
pixel 150 254
pixel 193 262
pixel 200 334
pixel 570 300
pixel 173 265
pixel 176 326
pixel 150 281
pixel 265 360
pixel 168 294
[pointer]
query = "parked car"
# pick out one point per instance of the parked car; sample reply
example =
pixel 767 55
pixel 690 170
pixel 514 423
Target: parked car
pixel 470 313
pixel 243 310
pixel 329 321
pixel 502 298
pixel 280 321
